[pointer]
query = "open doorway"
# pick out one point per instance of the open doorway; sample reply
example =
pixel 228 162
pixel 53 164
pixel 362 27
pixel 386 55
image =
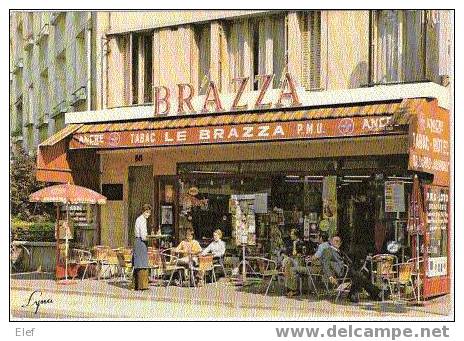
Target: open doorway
pixel 140 192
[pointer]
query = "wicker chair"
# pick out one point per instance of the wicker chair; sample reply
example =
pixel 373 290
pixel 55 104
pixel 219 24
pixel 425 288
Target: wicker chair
pixel 384 265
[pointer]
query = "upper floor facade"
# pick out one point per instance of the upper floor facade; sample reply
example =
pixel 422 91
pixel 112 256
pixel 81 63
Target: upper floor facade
pixel 102 66
pixel 50 72
pixel 321 50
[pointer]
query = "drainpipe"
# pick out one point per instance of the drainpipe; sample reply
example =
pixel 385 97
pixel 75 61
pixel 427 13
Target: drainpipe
pixel 89 61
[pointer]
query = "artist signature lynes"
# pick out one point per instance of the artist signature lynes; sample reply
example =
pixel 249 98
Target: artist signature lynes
pixel 33 301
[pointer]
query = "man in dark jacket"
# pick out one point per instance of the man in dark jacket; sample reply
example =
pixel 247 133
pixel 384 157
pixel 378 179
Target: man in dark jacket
pixel 333 266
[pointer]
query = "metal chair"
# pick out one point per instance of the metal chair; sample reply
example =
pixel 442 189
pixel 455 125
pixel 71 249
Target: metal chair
pixel 171 265
pixel 310 274
pixel 219 263
pixel 267 268
pixel 83 258
pixel 416 274
pixel 344 283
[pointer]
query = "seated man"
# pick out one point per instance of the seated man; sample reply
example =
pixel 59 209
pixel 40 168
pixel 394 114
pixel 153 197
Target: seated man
pixel 323 244
pixel 333 262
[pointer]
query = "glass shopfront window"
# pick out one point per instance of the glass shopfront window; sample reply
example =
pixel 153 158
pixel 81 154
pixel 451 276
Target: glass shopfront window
pixel 362 200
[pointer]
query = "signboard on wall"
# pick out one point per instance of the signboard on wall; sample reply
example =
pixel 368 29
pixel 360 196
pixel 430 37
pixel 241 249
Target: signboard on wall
pixel 429 142
pixel 253 132
pixel 394 196
pixel 329 204
pixel 436 207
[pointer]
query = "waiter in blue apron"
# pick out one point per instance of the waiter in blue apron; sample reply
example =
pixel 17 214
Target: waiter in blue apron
pixel 140 254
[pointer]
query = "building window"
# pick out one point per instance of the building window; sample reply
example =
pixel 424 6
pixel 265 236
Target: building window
pixel 135 68
pixel 44 97
pixel 43 54
pixel 19 43
pixel 236 33
pixel 400 46
pixel 311 50
pixel 257 47
pixel 138 58
pixel 148 69
pixel 279 48
pixel 18 130
pixel 60 78
pixel 60 32
pixel 81 62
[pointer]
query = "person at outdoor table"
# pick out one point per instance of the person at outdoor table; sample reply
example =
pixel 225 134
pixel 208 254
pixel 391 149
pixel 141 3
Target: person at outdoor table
pixel 297 243
pixel 140 253
pixel 292 263
pixel 217 247
pixel 323 244
pixel 333 261
pixel 189 249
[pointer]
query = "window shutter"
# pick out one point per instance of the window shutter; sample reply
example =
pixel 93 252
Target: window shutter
pixel 127 54
pixel 311 50
pixel 305 51
pixel 315 50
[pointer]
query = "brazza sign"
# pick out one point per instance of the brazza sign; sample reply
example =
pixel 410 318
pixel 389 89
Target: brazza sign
pixel 184 101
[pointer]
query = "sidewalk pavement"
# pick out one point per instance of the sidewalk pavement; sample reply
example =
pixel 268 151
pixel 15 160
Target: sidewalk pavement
pixel 231 298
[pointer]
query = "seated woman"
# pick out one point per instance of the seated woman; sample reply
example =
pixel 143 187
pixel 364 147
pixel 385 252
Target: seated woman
pixel 189 249
pixel 292 263
pixel 217 248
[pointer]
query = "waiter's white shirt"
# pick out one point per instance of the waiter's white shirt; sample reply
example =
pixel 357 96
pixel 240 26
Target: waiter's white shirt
pixel 141 227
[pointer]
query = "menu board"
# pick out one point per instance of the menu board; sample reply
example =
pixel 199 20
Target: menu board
pixel 436 206
pixel 394 196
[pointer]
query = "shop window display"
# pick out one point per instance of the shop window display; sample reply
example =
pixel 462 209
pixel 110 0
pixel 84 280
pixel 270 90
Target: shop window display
pixel 348 199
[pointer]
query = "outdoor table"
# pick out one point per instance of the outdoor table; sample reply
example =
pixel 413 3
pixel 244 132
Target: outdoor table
pixel 189 266
pixel 152 238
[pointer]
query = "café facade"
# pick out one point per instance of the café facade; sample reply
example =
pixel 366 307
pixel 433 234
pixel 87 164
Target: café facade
pixel 337 161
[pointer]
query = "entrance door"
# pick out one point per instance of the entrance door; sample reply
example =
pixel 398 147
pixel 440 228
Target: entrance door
pixel 140 192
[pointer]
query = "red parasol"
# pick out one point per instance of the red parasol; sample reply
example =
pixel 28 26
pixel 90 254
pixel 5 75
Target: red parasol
pixel 67 194
pixel 416 225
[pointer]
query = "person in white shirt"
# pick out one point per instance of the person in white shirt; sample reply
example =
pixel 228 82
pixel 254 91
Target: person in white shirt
pixel 140 254
pixel 217 248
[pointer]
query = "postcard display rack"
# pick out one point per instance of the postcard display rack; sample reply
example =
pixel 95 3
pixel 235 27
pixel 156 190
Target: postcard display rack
pixel 242 208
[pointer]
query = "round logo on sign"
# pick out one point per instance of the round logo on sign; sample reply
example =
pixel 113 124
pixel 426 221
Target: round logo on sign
pixel 346 126
pixel 114 139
